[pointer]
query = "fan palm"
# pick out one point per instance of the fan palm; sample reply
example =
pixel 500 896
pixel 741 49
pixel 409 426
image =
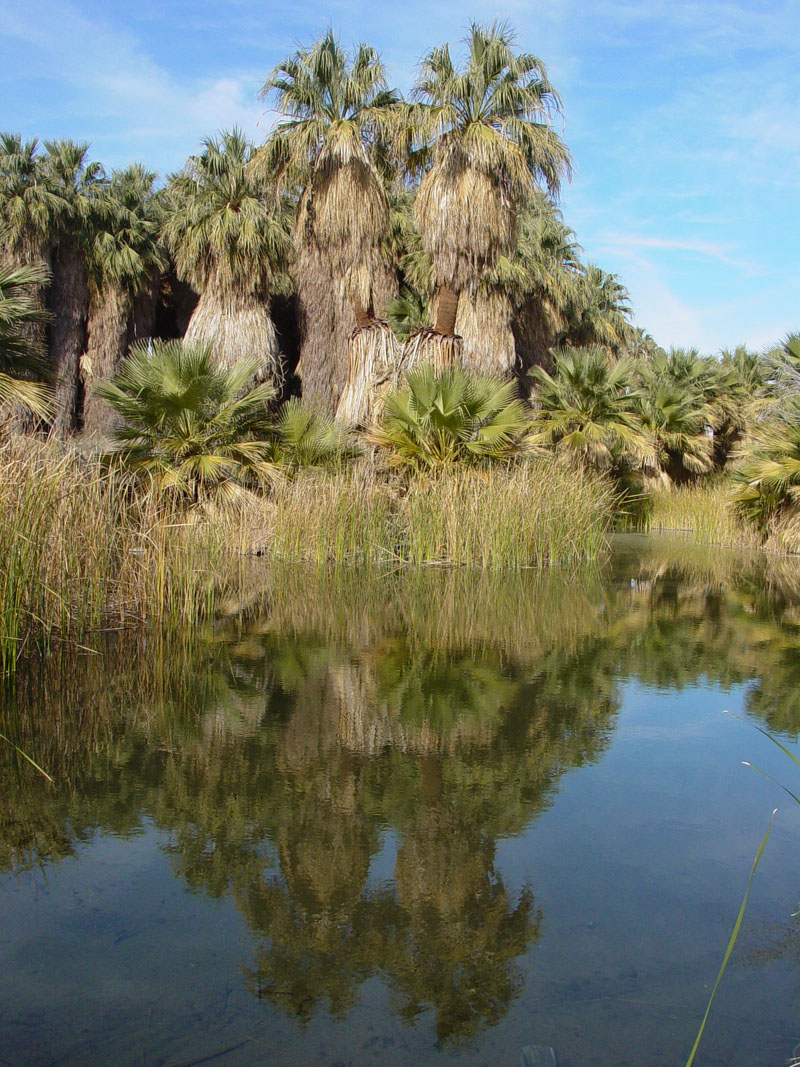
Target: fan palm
pixel 337 116
pixel 600 311
pixel 436 420
pixel 487 128
pixel 308 438
pixel 125 254
pixel 229 241
pixel 588 409
pixel 192 425
pixel 677 425
pixel 22 358
pixel 767 468
pixel 78 183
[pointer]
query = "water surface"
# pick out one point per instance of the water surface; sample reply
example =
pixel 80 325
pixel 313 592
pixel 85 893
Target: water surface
pixel 412 818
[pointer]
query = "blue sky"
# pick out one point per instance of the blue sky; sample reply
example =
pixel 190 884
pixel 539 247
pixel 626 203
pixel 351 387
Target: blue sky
pixel 683 118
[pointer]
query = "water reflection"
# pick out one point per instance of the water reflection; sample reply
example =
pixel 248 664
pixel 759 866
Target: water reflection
pixel 419 718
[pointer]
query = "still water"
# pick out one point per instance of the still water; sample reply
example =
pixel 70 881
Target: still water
pixel 413 819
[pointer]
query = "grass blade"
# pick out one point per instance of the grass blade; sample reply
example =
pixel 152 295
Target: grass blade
pixel 732 940
pixel 27 757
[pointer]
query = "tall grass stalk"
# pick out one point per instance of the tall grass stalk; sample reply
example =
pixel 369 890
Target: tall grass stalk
pixel 84 548
pixel 527 515
pixel 705 511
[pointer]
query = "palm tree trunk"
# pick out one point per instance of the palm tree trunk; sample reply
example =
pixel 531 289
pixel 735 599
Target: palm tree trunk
pixel 484 323
pixel 109 334
pixel 446 311
pixel 68 300
pixel 236 329
pixel 363 317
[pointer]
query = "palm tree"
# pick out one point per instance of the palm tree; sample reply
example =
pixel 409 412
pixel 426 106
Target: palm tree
pixel 588 409
pixel 487 128
pixel 125 255
pixel 78 183
pixel 22 358
pixel 600 311
pixel 439 419
pixel 229 241
pixel 29 206
pixel 188 422
pixel 337 112
pixel 30 210
pixel 677 424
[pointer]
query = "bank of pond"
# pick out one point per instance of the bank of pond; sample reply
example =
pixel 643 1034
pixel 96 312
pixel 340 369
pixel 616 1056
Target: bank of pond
pixel 411 815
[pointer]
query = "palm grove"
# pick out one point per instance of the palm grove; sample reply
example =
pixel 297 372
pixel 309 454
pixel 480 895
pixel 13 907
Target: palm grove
pixel 400 264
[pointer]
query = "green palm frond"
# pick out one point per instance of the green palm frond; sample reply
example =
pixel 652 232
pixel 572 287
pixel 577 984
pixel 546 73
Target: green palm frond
pixel 308 438
pixel 435 420
pixel 188 423
pixel 225 227
pixel 22 354
pixel 588 408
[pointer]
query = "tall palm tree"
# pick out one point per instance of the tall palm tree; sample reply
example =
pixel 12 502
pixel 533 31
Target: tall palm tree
pixel 600 311
pixel 487 129
pixel 337 113
pixel 29 206
pixel 30 210
pixel 229 241
pixel 125 255
pixel 22 358
pixel 78 183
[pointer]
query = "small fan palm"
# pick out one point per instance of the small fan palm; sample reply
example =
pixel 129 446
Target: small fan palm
pixel 309 438
pixel 436 420
pixel 767 466
pixel 194 427
pixel 22 357
pixel 677 426
pixel 588 409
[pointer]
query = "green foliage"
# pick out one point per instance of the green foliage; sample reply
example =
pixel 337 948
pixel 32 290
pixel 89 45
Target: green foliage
pixel 192 426
pixel 589 409
pixel 126 250
pixel 407 313
pixel 331 100
pixel 308 438
pixel 676 419
pixel 29 205
pixel 598 312
pixel 223 226
pixel 436 420
pixel 767 466
pixel 22 356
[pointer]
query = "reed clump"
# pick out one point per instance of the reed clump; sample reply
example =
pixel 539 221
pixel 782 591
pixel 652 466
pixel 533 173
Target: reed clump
pixel 704 511
pixel 502 517
pixel 525 515
pixel 84 547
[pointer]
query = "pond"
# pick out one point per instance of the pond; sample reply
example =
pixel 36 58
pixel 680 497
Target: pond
pixel 413 818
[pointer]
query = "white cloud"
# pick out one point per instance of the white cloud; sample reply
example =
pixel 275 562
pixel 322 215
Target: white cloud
pixel 119 98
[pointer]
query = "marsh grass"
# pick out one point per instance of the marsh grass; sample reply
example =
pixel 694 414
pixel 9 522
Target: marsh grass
pixel 500 517
pixel 704 511
pixel 506 517
pixel 84 549
pixel 87 548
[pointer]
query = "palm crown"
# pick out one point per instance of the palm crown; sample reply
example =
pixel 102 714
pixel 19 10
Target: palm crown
pixel 488 129
pixel 224 231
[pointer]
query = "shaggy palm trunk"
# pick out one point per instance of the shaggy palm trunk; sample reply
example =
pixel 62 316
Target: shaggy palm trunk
pixel 238 327
pixel 484 322
pixel 109 334
pixel 375 360
pixel 536 331
pixel 68 300
pixel 327 320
